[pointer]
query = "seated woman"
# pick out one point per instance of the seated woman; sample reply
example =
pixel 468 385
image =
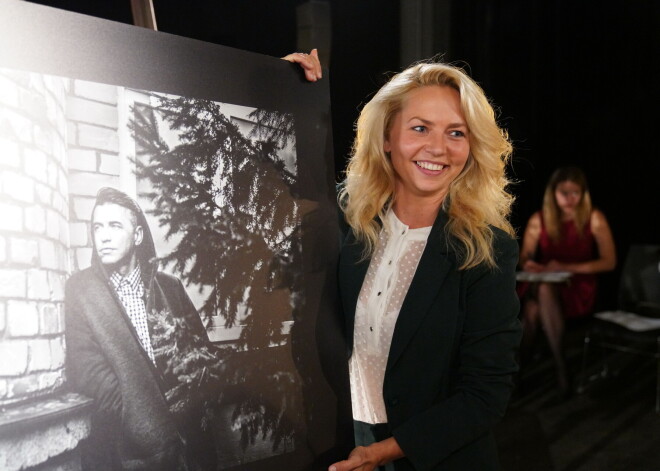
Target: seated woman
pixel 569 235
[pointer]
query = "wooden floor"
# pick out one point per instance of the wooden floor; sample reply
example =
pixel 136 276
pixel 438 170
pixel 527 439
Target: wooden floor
pixel 611 426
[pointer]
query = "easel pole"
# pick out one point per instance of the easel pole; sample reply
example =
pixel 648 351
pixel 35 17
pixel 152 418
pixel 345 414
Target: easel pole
pixel 143 14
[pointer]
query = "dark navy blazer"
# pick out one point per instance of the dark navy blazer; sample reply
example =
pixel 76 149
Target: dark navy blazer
pixel 449 371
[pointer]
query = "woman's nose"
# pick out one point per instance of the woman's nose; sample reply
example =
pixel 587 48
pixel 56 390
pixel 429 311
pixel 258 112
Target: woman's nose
pixel 436 144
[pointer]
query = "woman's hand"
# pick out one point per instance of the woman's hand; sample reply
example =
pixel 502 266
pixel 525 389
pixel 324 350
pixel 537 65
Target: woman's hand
pixel 309 62
pixel 533 267
pixel 554 265
pixel 368 458
pixel 360 459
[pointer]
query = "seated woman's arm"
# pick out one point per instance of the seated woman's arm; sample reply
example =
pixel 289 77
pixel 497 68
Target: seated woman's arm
pixel 529 245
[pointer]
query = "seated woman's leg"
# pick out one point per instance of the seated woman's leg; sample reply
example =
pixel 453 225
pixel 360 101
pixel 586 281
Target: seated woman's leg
pixel 530 322
pixel 552 320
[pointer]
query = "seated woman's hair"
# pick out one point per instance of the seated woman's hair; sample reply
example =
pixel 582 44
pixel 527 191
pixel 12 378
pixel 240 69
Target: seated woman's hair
pixel 477 200
pixel 551 211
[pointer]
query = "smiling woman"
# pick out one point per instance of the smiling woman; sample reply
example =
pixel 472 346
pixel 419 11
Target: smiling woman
pixel 428 146
pixel 427 275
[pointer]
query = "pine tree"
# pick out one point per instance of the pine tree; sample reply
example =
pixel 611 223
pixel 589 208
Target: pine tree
pixel 225 198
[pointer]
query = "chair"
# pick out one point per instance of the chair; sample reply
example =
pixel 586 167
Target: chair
pixel 635 327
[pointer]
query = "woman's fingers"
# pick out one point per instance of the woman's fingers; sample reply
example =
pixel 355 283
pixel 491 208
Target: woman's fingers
pixel 309 62
pixel 358 460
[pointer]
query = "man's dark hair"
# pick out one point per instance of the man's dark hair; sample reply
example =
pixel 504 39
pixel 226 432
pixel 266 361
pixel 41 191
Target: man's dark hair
pixel 107 195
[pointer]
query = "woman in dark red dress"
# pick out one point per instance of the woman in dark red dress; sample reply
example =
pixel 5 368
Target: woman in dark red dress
pixel 567 235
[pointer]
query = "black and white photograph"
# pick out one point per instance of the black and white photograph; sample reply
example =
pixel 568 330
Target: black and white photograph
pixel 163 298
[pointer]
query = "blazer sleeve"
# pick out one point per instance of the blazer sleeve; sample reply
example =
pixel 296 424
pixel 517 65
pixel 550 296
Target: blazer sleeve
pixel 489 339
pixel 87 367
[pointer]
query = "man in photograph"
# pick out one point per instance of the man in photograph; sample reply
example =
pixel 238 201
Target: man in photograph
pixel 137 346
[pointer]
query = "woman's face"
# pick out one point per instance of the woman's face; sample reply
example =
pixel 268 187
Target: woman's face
pixel 568 195
pixel 428 142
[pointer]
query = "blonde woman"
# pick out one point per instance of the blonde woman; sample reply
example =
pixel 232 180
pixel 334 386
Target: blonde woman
pixel 569 235
pixel 427 274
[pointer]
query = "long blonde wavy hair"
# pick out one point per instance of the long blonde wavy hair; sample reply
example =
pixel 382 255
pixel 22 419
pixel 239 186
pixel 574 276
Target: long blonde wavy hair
pixel 477 199
pixel 551 210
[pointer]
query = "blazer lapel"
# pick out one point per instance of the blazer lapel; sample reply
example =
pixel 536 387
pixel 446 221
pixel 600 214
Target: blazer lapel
pixel 430 274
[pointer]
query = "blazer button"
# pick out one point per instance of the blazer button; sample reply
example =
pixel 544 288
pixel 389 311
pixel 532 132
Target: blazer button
pixel 393 402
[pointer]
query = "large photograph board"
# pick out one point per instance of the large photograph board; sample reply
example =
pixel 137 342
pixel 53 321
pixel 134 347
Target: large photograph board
pixel 167 248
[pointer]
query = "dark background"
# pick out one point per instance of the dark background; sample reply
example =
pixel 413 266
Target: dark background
pixel 574 81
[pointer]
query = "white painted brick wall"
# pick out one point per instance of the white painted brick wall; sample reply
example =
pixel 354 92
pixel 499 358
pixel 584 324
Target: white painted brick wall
pixel 87 184
pixel 9 154
pixel 79 232
pixel 57 355
pixel 24 251
pixel 17 125
pixel 39 355
pixel 35 219
pixel 38 285
pixel 2 320
pixel 60 204
pixel 34 237
pixel 63 183
pixel 44 194
pixel 34 164
pixel 98 137
pixel 50 319
pixel 24 386
pixel 12 217
pixel 12 283
pixel 109 164
pixel 50 380
pixel 92 112
pixel 95 91
pixel 8 93
pixel 53 174
pixel 48 254
pixel 56 284
pixel 52 224
pixel 22 318
pixel 82 159
pixel 14 354
pixel 82 211
pixel 20 187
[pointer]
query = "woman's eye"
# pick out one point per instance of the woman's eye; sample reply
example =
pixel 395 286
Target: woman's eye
pixel 457 133
pixel 419 128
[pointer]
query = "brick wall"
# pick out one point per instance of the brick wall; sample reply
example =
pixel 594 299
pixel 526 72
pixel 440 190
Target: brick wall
pixel 93 151
pixel 34 235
